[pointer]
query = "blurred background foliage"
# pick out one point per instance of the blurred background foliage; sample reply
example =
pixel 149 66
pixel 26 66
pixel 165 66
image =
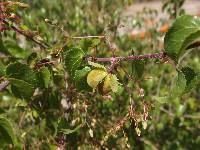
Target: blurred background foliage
pixel 60 117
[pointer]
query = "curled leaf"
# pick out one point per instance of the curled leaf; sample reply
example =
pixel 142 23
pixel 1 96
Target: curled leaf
pixel 104 87
pixel 95 77
pixel 110 83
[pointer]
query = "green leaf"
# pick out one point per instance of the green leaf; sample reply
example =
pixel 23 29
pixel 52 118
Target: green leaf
pixel 15 50
pixel 185 81
pixel 184 32
pixel 195 37
pixel 2 69
pixel 72 59
pixel 70 131
pixel 87 44
pixel 21 89
pixel 192 78
pixel 161 100
pixel 32 58
pixel 59 80
pixel 6 131
pixel 95 77
pixel 80 79
pixel 179 86
pixel 96 65
pixel 95 42
pixel 138 68
pixel 44 77
pixel 21 72
pixel 52 147
pixel 2 47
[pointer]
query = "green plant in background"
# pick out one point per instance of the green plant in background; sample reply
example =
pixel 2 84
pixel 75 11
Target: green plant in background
pixel 75 89
pixel 173 7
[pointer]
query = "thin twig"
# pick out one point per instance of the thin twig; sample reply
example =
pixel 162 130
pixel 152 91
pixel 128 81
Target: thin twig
pixel 159 84
pixel 21 119
pixel 191 116
pixel 167 111
pixel 87 37
pixel 113 64
pixel 44 45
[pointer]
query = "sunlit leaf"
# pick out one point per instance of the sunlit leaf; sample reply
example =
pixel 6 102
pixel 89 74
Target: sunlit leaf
pixel 138 131
pixel 96 65
pixel 114 82
pixel 144 125
pixel 184 32
pixel 95 77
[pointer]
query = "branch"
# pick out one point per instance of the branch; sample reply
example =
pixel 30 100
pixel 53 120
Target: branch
pixel 87 37
pixel 113 63
pixel 129 58
pixel 44 45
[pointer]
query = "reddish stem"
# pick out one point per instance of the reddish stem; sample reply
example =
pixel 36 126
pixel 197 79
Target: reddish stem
pixel 3 85
pixel 44 45
pixel 130 58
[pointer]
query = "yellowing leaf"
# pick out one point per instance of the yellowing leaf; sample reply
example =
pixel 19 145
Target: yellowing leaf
pixel 138 131
pixel 144 124
pixel 114 82
pixel 106 85
pixel 110 83
pixel 95 77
